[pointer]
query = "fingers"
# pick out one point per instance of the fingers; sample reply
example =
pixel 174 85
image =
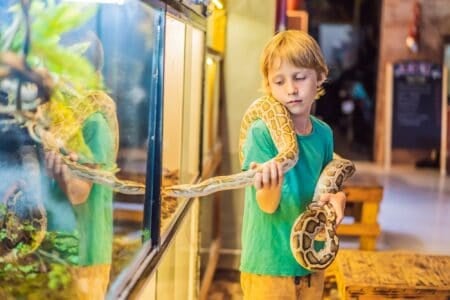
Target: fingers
pixel 270 175
pixel 55 166
pixel 339 212
pixel 324 198
pixel 280 173
pixel 266 174
pixel 257 181
pixel 65 173
pixel 50 163
pixel 73 156
pixel 274 178
pixel 337 201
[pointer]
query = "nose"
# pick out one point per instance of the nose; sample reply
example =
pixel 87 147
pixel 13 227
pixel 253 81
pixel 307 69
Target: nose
pixel 292 88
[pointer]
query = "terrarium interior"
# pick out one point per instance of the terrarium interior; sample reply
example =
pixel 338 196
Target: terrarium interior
pixel 80 84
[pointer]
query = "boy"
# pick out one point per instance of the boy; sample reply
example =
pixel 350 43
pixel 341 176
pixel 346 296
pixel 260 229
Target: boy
pixel 86 207
pixel 293 71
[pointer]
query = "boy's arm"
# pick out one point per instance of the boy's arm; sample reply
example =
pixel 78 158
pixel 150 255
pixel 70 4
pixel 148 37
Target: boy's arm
pixel 258 149
pixel 99 140
pixel 338 201
pixel 268 183
pixel 77 190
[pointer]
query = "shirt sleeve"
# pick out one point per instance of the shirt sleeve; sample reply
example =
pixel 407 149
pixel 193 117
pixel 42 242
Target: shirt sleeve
pixel 329 147
pixel 99 139
pixel 259 146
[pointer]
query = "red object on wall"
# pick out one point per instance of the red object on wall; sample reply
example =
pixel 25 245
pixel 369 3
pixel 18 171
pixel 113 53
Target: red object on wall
pixel 413 38
pixel 294 4
pixel 280 18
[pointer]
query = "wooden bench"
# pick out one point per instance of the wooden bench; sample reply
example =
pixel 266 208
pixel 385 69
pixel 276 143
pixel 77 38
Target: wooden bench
pixel 374 275
pixel 364 195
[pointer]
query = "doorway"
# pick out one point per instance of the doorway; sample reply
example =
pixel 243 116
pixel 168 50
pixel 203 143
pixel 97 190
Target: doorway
pixel 348 33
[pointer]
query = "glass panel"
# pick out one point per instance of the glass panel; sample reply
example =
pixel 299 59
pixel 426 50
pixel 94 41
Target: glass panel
pixel 182 110
pixel 177 273
pixel 184 52
pixel 173 113
pixel 210 205
pixel 54 238
pixel 192 106
pixel 211 108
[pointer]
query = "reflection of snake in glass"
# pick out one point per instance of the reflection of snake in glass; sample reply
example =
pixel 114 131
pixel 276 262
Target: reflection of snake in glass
pixel 52 103
pixel 56 123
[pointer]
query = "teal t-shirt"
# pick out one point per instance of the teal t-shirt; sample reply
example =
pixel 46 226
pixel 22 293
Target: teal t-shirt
pixel 266 237
pixel 93 220
pixel 95 216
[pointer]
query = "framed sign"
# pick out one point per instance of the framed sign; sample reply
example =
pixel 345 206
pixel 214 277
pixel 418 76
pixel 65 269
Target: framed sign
pixel 416 108
pixel 417 105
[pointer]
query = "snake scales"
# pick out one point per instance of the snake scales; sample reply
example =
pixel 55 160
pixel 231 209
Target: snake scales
pixel 280 126
pixel 274 114
pixel 56 133
pixel 55 138
pixel 309 224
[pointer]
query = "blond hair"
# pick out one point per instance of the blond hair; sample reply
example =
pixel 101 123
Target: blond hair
pixel 297 48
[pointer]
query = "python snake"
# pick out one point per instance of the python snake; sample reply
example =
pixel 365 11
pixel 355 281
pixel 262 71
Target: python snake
pixel 279 123
pixel 280 126
pixel 309 224
pixel 53 141
pixel 53 138
pixel 317 220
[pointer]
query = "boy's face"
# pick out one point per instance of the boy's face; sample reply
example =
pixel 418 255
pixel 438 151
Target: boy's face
pixel 294 87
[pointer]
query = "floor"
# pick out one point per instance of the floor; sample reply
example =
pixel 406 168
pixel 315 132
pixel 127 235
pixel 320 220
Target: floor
pixel 414 216
pixel 415 211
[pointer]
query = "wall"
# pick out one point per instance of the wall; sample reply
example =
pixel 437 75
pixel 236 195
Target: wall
pixel 395 19
pixel 250 25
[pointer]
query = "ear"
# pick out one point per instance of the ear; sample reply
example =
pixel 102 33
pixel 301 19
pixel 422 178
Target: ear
pixel 320 79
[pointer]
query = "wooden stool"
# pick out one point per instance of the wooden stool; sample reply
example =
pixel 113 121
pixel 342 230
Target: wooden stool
pixel 364 195
pixel 394 275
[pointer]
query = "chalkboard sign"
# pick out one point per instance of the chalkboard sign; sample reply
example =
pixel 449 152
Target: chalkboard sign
pixel 416 119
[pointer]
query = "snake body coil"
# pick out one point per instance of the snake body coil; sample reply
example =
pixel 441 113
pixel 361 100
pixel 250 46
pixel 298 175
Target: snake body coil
pixel 309 224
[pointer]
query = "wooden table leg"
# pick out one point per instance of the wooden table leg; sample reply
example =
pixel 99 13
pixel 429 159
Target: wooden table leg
pixel 369 216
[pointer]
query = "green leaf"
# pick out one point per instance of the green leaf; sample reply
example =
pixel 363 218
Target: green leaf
pixel 56 20
pixel 26 268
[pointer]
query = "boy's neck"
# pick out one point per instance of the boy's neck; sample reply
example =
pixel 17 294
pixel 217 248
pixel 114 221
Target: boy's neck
pixel 302 125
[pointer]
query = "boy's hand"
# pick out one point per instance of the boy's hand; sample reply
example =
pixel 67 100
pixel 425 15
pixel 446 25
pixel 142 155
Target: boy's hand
pixel 337 201
pixel 268 184
pixel 56 168
pixel 77 190
pixel 270 176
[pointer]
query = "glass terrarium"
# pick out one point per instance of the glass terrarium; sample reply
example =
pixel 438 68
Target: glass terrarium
pixel 100 106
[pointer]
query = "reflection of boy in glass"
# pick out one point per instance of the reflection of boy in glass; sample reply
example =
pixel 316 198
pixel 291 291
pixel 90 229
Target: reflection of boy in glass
pixel 77 204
